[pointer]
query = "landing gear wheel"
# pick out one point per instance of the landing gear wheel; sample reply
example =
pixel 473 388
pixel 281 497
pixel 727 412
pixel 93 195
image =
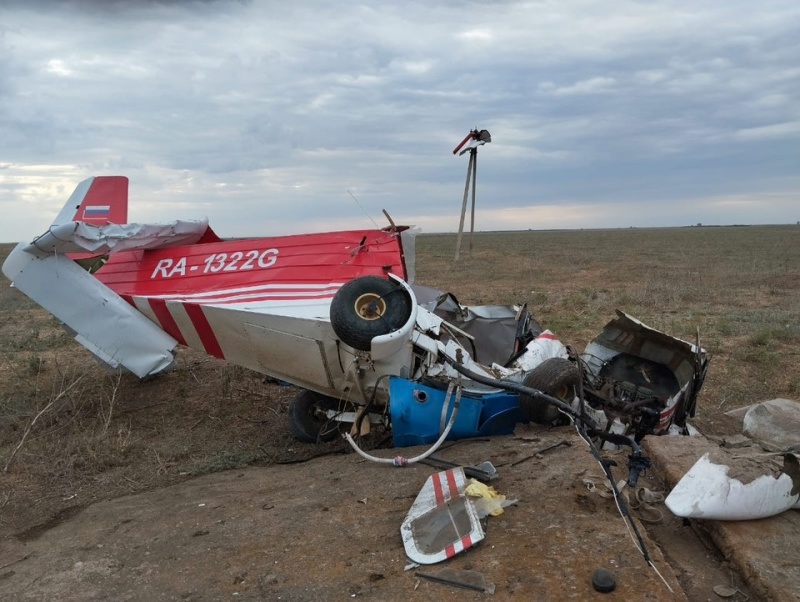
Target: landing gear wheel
pixel 368 307
pixel 307 419
pixel 558 378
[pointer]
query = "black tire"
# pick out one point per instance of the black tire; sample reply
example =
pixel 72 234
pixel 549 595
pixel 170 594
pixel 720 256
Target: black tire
pixel 558 378
pixel 307 420
pixel 368 307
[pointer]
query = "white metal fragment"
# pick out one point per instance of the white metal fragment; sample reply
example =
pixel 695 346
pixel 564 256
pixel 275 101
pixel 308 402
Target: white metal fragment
pixel 707 492
pixel 441 522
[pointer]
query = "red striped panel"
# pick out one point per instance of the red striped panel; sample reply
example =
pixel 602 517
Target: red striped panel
pixel 451 482
pixel 203 328
pixel 130 300
pixel 438 492
pixel 166 320
pixel 666 417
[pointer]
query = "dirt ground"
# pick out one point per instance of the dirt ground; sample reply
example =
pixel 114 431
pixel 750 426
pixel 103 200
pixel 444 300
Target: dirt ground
pixel 103 477
pixel 275 501
pixel 328 529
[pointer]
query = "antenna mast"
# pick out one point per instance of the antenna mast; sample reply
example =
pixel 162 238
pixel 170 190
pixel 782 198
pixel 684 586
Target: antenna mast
pixel 470 143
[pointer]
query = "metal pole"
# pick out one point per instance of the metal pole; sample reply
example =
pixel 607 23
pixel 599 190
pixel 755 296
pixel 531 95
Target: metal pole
pixel 464 206
pixel 474 157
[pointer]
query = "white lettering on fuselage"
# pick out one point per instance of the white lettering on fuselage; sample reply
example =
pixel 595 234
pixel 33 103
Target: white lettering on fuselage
pixel 161 267
pixel 217 262
pixel 179 268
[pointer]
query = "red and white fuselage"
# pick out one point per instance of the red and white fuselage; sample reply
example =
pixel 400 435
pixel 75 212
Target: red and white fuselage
pixel 262 303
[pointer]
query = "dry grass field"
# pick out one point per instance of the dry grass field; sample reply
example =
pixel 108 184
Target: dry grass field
pixel 71 434
pixel 739 286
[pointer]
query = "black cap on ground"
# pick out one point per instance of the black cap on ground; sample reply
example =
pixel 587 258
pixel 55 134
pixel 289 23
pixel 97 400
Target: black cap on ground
pixel 603 581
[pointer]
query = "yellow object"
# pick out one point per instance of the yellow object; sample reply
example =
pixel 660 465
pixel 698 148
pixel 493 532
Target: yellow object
pixel 478 489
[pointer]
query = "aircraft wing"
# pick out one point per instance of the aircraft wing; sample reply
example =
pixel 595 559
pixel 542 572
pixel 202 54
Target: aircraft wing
pixel 99 319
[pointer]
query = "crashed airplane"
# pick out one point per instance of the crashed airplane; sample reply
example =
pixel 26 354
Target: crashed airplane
pixel 337 314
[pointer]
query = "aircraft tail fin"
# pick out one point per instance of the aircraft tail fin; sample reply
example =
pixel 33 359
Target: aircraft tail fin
pixel 99 201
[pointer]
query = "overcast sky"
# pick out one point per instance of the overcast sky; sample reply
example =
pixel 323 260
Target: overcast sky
pixel 266 115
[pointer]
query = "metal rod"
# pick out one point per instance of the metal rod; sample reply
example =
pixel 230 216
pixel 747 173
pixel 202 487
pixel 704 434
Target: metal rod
pixel 474 157
pixel 464 207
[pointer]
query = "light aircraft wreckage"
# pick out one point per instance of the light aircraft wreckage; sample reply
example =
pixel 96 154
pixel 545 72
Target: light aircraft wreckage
pixel 337 314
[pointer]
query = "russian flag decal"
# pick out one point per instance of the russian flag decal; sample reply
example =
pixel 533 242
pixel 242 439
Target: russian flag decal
pixel 97 211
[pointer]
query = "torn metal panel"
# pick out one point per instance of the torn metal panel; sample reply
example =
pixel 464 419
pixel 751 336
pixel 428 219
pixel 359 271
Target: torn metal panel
pixel 642 376
pixel 493 334
pixel 625 334
pixel 707 491
pixel 105 323
pixel 79 237
pixel 441 522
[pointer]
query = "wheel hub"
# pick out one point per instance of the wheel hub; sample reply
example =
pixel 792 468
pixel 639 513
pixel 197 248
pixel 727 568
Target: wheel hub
pixel 370 306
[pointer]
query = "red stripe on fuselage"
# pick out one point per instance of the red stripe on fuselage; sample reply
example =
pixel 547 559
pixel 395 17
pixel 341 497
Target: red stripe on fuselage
pixel 203 328
pixel 159 307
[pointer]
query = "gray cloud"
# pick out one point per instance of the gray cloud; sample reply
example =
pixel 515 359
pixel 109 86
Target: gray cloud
pixel 263 115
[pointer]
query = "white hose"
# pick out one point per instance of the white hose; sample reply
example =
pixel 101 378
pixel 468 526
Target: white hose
pixel 403 461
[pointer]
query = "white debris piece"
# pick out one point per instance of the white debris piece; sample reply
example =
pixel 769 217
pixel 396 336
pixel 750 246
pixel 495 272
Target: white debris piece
pixel 707 492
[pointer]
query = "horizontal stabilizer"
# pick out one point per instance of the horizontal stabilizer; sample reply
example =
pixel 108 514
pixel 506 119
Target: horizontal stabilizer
pixel 79 237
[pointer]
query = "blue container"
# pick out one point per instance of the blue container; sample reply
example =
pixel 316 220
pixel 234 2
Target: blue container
pixel 416 412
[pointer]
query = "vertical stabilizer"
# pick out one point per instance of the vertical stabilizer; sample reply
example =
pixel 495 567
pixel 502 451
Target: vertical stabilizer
pixel 94 219
pixel 98 201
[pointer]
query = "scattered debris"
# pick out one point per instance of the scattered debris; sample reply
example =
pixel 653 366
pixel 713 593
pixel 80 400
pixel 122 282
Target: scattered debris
pixel 485 471
pixel 604 581
pixel 467 579
pixel 706 491
pixel 442 522
pixel 367 346
pixel 542 451
pixel 772 424
pixel 20 559
pixel 646 379
pixel 487 502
